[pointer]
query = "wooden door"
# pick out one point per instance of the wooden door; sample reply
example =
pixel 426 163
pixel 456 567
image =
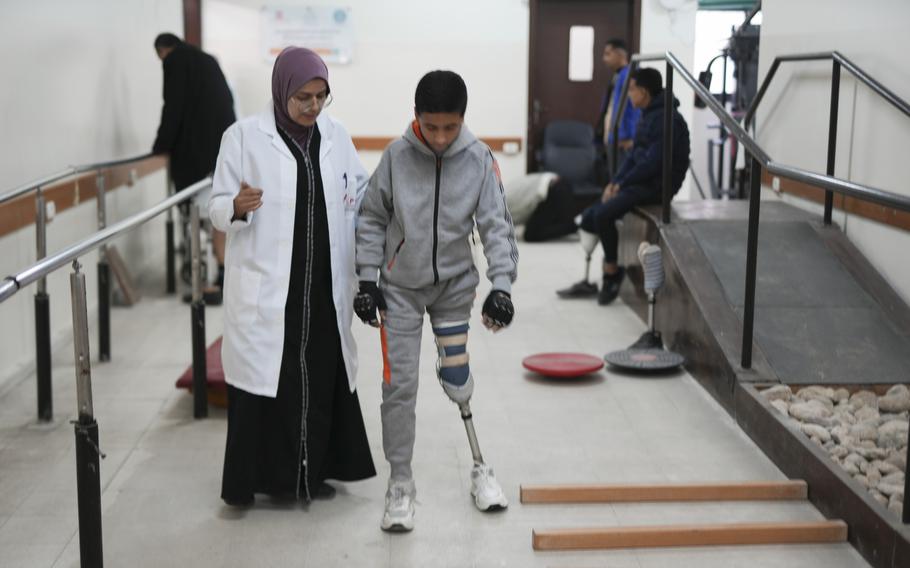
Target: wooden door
pixel 551 95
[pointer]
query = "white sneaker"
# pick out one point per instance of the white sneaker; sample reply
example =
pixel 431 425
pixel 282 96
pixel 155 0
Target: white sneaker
pixel 487 493
pixel 399 507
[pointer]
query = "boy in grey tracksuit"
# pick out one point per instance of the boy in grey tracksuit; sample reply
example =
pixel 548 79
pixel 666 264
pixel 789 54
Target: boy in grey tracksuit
pixel 414 255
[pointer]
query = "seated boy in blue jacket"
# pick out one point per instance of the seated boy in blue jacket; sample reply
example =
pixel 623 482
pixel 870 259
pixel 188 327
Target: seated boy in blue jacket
pixel 414 256
pixel 638 181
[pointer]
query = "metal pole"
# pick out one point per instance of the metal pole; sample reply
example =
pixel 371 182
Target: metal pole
pixel 668 146
pixel 88 454
pixel 751 261
pixel 171 278
pixel 200 395
pixel 104 278
pixel 832 137
pixel 723 133
pixel 906 513
pixel 42 319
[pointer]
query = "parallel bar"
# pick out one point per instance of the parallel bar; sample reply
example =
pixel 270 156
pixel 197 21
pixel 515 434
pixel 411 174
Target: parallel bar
pixel 42 318
pixel 54 262
pixel 113 163
pixel 171 280
pixel 200 370
pixel 171 277
pixel 67 172
pixel 689 535
pixel 33 185
pixel 8 287
pixel 832 137
pixel 746 491
pixel 200 386
pixel 667 194
pixel 104 309
pixel 104 277
pixel 40 235
pixel 43 357
pixel 88 454
pixel 751 262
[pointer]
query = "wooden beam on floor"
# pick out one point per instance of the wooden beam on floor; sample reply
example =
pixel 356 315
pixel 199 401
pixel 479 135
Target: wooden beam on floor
pixel 689 535
pixel 745 491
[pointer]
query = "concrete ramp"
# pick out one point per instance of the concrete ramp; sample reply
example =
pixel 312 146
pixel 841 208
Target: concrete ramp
pixel 814 322
pixel 823 314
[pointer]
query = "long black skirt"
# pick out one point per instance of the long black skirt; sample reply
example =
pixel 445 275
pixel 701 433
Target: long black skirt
pixel 271 448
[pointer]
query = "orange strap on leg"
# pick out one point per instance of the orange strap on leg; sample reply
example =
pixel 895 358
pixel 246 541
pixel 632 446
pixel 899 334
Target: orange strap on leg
pixel 386 369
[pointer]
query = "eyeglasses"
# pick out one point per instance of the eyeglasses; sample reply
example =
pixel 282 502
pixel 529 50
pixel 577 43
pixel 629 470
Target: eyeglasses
pixel 308 101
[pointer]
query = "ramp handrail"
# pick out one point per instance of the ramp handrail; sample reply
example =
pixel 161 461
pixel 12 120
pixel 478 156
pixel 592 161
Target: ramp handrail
pixel 760 159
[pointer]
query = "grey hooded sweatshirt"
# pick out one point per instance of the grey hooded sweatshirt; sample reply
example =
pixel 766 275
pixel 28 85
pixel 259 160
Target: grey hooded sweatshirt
pixel 419 212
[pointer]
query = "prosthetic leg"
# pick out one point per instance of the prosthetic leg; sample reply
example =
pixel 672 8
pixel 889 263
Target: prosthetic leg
pixel 455 377
pixel 648 353
pixel 585 288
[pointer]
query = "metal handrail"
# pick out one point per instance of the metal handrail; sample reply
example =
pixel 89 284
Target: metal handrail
pixel 760 159
pixel 881 90
pixel 14 283
pixel 829 182
pixel 67 172
pixel 114 163
pixel 32 185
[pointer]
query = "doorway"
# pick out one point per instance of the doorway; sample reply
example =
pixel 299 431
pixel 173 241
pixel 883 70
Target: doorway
pixel 560 87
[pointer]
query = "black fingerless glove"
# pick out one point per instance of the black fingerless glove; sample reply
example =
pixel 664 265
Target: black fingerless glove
pixel 498 308
pixel 367 300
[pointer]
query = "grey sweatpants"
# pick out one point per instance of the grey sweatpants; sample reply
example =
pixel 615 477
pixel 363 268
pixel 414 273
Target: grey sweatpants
pixel 448 302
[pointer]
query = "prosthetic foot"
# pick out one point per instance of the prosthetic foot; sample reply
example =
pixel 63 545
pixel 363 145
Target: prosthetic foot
pixel 585 288
pixel 457 382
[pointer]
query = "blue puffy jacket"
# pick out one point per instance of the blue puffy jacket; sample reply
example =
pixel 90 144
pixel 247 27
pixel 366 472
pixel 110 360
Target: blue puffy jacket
pixel 630 114
pixel 643 165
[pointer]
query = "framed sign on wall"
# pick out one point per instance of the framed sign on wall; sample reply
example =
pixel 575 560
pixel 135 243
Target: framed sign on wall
pixel 324 29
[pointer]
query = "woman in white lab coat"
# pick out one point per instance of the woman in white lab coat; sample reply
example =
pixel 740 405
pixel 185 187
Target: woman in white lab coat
pixel 286 190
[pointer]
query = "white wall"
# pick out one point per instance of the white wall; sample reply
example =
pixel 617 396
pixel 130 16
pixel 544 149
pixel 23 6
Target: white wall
pixel 673 30
pixel 81 83
pixel 396 42
pixel 872 137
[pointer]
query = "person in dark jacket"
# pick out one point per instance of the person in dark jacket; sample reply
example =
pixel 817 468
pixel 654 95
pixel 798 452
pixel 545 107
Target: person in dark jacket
pixel 638 181
pixel 198 108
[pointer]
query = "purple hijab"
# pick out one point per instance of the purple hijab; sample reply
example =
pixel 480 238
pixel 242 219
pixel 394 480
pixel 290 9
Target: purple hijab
pixel 294 67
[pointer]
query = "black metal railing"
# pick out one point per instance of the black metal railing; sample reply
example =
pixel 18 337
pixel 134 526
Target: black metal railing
pixel 43 351
pixel 88 453
pixel 760 159
pixel 838 62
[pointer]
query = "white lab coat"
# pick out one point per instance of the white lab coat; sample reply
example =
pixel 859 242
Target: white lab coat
pixel 258 251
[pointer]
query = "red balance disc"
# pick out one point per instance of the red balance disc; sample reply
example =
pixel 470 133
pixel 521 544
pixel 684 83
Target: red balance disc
pixel 563 365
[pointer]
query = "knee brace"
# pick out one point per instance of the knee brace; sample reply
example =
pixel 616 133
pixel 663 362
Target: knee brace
pixel 452 367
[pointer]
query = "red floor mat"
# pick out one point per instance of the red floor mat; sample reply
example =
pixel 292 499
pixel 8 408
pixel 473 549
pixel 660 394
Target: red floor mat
pixel 217 388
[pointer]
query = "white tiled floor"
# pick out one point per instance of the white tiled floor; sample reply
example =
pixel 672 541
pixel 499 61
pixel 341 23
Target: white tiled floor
pixel 161 478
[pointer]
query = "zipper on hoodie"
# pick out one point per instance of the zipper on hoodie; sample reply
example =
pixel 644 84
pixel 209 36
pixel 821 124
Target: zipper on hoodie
pixel 436 220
